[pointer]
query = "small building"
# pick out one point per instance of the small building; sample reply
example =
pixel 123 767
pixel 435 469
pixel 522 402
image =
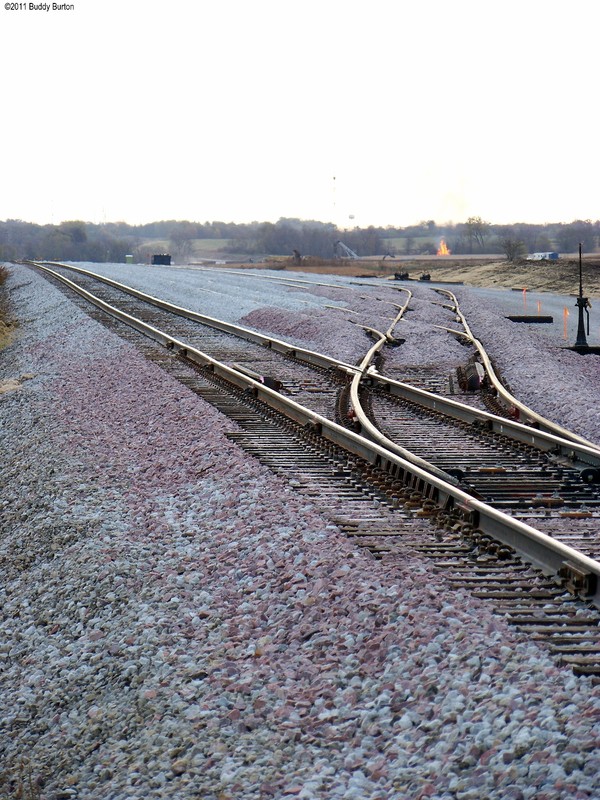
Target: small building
pixel 163 259
pixel 543 257
pixel 129 259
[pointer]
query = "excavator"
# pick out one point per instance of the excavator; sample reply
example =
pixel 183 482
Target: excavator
pixel 340 250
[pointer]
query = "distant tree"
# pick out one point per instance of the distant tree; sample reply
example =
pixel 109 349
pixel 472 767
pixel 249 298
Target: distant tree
pixel 74 230
pixel 542 245
pixel 310 238
pixel 569 236
pixel 7 252
pixel 182 239
pixel 477 231
pixel 513 248
pixel 365 241
pixel 532 236
pixel 181 249
pixel 118 249
pixel 79 241
pixel 457 244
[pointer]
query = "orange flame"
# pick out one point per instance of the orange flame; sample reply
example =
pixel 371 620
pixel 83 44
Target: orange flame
pixel 443 249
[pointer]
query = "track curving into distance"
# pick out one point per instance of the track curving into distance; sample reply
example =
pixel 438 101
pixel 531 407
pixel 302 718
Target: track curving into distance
pixel 363 473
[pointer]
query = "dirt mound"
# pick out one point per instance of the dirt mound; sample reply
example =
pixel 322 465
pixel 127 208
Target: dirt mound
pixel 558 277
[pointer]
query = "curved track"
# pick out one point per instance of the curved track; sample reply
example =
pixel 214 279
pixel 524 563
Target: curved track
pixel 436 441
pixel 361 473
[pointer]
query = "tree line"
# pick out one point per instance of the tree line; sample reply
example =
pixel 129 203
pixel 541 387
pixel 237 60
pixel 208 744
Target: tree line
pixel 76 240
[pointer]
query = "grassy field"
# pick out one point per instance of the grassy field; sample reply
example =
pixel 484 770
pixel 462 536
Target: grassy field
pixel 398 244
pixel 209 246
pixel 201 248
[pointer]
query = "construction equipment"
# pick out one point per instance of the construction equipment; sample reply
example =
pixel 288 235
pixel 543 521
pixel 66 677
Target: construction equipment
pixel 340 250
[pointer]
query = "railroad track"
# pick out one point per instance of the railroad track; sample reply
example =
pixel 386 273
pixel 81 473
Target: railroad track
pixel 312 382
pixel 504 473
pixel 387 506
pixel 389 519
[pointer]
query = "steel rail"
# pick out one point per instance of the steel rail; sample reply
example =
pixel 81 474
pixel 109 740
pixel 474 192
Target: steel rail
pixel 570 446
pixel 367 427
pixel 372 431
pixel 528 413
pixel 278 345
pixel 586 454
pixel 230 327
pixel 549 555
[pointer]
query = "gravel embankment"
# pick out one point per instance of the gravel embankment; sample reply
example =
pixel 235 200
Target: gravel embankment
pixel 554 381
pixel 177 623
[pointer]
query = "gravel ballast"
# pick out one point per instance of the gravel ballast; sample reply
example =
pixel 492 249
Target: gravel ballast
pixel 176 622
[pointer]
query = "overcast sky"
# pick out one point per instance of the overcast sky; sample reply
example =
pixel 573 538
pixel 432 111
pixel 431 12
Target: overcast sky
pixel 384 112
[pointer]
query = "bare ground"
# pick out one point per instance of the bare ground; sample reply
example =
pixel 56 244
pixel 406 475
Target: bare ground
pixel 557 277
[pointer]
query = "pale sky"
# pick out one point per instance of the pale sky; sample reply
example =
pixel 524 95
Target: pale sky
pixel 384 112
